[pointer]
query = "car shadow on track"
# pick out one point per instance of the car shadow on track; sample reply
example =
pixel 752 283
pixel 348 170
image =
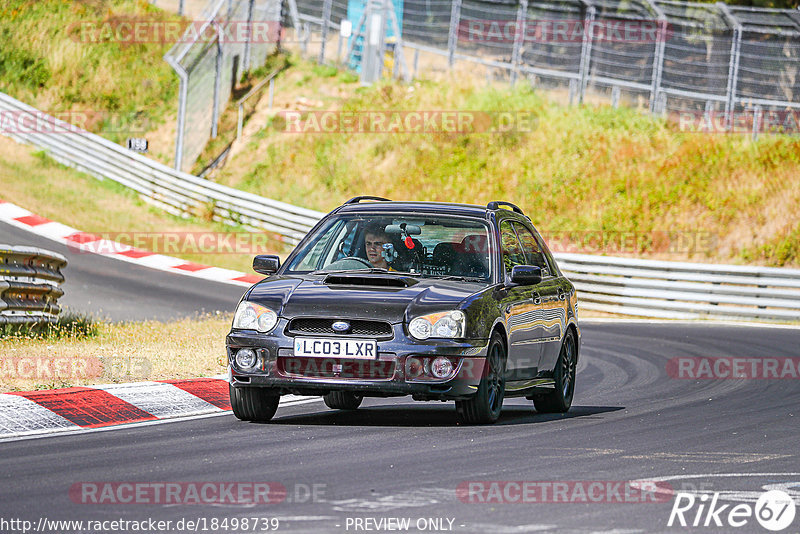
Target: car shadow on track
pixel 444 416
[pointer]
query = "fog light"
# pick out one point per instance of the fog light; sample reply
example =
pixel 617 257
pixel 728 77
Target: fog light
pixel 441 367
pixel 413 368
pixel 246 359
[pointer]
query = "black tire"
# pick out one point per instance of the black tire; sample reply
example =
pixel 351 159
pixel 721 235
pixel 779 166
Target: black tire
pixel 560 400
pixel 253 404
pixel 343 400
pixel 485 406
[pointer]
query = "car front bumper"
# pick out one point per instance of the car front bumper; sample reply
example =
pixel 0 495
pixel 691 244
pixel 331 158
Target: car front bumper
pixel 386 376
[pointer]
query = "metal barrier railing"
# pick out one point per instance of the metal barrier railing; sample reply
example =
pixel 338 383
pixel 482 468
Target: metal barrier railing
pixel 609 284
pixel 175 191
pixel 678 290
pixel 29 284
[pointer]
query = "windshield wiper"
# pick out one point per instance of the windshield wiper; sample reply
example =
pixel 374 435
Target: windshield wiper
pixel 459 277
pixel 370 270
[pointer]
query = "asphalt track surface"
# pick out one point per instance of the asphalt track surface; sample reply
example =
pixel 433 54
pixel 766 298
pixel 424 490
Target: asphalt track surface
pixel 394 458
pixel 120 291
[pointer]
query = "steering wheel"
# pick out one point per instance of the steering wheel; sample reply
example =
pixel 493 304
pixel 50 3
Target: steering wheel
pixel 362 261
pixel 350 262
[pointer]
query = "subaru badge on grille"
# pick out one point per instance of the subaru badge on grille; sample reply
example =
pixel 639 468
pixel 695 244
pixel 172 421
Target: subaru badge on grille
pixel 341 326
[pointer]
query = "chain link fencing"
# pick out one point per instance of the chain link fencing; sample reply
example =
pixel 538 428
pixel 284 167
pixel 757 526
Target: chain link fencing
pixel 713 67
pixel 229 38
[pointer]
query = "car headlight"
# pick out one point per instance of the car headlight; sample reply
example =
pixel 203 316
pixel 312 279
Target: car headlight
pixel 450 324
pixel 253 316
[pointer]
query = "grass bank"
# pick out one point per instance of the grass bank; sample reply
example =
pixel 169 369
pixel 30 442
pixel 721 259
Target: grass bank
pixel 119 352
pixel 35 182
pixel 581 169
pixel 49 61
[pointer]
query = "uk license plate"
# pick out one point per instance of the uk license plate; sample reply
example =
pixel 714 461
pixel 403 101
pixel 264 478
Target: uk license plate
pixel 361 349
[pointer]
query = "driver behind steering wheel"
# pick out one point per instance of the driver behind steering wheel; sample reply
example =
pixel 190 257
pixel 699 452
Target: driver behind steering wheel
pixel 380 250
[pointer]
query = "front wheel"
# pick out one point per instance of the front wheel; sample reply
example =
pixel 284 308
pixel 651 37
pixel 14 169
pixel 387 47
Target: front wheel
pixel 342 400
pixel 560 399
pixel 484 407
pixel 253 404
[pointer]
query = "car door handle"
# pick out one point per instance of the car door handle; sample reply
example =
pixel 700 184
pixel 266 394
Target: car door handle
pixel 562 295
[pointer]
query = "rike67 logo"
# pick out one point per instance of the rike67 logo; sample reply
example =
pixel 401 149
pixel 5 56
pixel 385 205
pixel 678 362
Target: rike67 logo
pixel 774 510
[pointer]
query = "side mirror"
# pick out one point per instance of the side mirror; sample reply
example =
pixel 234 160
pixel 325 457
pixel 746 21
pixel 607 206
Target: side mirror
pixel 526 275
pixel 266 264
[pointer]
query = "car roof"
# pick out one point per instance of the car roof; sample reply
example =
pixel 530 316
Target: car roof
pixel 448 208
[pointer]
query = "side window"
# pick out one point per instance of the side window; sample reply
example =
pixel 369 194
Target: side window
pixel 533 251
pixel 312 259
pixel 512 251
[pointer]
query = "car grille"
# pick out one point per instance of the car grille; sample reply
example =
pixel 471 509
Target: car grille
pixel 336 368
pixel 358 327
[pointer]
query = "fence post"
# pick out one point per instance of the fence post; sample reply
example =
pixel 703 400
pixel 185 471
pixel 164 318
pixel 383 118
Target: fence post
pixel 519 35
pixel 615 94
pixel 756 121
pixel 452 36
pixel 733 64
pixel 658 55
pixel 586 50
pixel 180 126
pixel 248 43
pixel 326 20
pixel 573 90
pixel 217 84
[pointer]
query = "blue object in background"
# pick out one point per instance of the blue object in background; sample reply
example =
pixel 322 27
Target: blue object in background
pixel 355 10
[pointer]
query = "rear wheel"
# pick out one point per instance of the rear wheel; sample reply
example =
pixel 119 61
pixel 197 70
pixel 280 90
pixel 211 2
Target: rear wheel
pixel 560 399
pixel 484 407
pixel 343 400
pixel 253 404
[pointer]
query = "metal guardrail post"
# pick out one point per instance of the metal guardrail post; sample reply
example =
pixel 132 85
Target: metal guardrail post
pixel 733 64
pixel 452 34
pixel 326 20
pixel 519 36
pixel 586 51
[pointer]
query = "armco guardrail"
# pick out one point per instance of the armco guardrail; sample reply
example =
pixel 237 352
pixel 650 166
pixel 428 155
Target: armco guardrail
pixel 29 284
pixel 177 192
pixel 677 290
pixel 609 284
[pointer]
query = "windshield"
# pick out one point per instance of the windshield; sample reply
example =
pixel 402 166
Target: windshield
pixel 422 245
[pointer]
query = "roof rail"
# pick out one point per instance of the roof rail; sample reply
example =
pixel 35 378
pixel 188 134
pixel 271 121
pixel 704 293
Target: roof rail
pixel 356 200
pixel 495 205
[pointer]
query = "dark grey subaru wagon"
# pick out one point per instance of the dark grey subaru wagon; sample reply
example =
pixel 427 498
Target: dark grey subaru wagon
pixel 439 301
